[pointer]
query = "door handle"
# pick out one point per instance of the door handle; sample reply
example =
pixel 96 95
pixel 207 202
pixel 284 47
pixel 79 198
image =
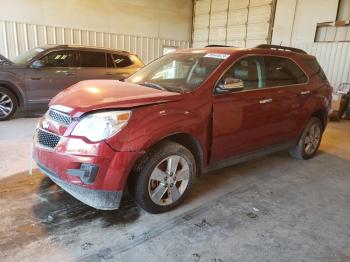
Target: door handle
pixel 265 101
pixel 305 92
pixel 109 74
pixel 35 78
pixel 69 73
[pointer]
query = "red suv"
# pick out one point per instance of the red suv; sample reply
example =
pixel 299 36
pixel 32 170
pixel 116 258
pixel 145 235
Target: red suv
pixel 183 114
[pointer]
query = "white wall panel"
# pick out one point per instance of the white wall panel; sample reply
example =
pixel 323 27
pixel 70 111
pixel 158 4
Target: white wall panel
pixel 17 37
pixel 201 23
pixel 219 6
pixel 243 22
pixel 238 4
pixel 165 19
pixel 296 20
pixel 237 16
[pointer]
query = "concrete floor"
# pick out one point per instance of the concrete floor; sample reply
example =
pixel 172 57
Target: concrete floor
pixel 16 136
pixel 273 208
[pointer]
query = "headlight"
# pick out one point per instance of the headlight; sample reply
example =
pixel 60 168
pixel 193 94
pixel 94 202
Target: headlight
pixel 100 126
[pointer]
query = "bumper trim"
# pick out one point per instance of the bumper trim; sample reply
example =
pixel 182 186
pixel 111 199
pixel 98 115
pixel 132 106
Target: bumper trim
pixel 99 199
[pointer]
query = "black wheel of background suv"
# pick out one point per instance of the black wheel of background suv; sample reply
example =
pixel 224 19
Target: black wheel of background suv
pixel 309 141
pixel 163 177
pixel 8 104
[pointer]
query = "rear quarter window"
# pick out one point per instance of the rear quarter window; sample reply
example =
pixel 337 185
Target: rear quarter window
pixel 121 60
pixel 315 67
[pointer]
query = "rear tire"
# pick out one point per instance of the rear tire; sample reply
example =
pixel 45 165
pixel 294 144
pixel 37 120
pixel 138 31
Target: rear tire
pixel 8 104
pixel 162 179
pixel 309 141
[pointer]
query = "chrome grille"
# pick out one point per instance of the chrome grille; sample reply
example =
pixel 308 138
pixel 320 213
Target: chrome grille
pixel 47 139
pixel 60 117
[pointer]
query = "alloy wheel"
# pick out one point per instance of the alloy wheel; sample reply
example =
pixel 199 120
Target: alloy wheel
pixel 312 139
pixel 6 105
pixel 169 180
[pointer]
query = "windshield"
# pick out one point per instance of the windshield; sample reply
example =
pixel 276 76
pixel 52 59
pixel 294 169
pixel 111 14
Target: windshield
pixel 26 56
pixel 178 72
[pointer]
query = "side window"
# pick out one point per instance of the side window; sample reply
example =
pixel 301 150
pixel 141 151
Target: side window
pixel 60 59
pixel 315 67
pixel 110 62
pixel 281 71
pixel 248 72
pixel 121 60
pixel 92 59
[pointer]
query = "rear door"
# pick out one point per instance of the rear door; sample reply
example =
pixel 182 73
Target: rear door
pixel 290 86
pixel 254 117
pixel 93 65
pixel 59 72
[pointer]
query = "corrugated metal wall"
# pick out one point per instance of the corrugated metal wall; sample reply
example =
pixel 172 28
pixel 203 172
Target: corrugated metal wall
pixel 16 37
pixel 242 23
pixel 334 59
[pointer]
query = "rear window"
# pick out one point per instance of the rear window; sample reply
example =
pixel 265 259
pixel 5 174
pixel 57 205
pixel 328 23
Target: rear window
pixel 92 59
pixel 315 67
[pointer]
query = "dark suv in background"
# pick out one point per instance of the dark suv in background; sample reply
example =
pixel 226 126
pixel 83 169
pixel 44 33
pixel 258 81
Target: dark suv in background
pixel 34 77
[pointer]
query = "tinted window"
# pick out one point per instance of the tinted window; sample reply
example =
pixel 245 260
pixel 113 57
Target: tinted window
pixel 109 60
pixel 60 59
pixel 249 70
pixel 92 59
pixel 265 71
pixel 281 71
pixel 121 60
pixel 315 67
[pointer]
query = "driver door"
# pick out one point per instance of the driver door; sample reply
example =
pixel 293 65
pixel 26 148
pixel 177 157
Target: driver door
pixel 58 72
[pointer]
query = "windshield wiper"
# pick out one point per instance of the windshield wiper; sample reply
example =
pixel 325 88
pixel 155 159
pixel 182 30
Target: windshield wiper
pixel 157 86
pixel 176 89
pixel 152 85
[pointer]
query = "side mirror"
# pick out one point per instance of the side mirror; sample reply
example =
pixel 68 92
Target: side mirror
pixel 37 64
pixel 230 85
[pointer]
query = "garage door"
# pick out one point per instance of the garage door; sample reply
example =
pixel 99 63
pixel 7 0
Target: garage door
pixel 242 23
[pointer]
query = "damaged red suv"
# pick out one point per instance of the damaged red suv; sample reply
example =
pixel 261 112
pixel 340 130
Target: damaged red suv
pixel 183 114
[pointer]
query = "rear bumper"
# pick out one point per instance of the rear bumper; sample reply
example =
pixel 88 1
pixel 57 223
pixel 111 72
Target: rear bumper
pixel 99 199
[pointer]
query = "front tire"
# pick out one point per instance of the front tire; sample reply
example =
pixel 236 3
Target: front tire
pixel 8 104
pixel 163 177
pixel 309 141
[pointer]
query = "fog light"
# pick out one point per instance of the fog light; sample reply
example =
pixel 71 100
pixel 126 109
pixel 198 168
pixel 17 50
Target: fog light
pixel 86 172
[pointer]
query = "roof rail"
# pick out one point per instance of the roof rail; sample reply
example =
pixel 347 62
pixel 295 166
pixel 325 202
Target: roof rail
pixel 218 46
pixel 281 47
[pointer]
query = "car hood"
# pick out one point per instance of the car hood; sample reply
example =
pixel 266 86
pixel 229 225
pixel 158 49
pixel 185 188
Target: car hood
pixel 93 95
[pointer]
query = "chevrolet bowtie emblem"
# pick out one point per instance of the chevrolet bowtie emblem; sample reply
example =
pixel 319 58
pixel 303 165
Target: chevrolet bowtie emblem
pixel 45 124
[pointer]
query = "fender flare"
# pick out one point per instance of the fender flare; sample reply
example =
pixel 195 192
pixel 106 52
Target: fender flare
pixel 17 91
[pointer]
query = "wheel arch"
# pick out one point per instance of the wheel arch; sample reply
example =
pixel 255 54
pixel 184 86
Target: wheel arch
pixel 12 88
pixel 322 115
pixel 187 140
pixel 192 144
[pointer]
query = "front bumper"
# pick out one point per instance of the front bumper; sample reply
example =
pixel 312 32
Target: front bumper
pixel 65 165
pixel 99 199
